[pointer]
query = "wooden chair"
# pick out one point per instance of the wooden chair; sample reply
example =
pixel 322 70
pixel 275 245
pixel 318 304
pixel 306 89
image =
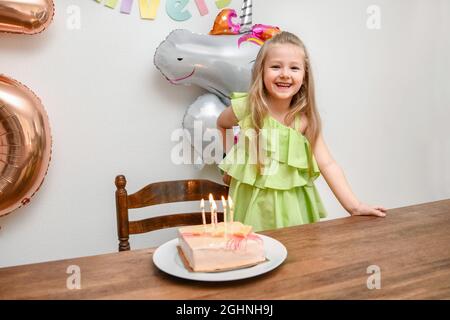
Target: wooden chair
pixel 159 193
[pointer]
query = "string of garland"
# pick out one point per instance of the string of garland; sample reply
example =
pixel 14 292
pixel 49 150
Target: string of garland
pixel 175 9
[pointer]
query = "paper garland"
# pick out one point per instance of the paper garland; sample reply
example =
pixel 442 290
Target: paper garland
pixel 220 4
pixel 126 6
pixel 111 3
pixel 148 8
pixel 201 6
pixel 175 9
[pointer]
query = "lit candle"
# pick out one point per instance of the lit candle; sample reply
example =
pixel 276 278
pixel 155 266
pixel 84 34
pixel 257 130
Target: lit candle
pixel 202 206
pixel 212 203
pixel 214 213
pixel 230 206
pixel 224 204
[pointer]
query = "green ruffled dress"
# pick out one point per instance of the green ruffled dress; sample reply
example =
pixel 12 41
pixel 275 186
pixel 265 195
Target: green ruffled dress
pixel 285 195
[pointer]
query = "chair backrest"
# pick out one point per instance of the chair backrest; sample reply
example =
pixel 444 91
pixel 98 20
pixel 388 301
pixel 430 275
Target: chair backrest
pixel 159 193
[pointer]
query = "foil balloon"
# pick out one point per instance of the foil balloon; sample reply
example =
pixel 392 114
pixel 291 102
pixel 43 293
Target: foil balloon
pixel 224 24
pixel 259 34
pixel 200 122
pixel 246 16
pixel 220 62
pixel 216 63
pixel 25 144
pixel 25 16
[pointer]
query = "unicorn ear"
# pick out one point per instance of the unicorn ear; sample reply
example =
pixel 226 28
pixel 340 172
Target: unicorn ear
pixel 246 16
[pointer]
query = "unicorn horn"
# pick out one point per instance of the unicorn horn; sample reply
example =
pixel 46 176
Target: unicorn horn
pixel 246 16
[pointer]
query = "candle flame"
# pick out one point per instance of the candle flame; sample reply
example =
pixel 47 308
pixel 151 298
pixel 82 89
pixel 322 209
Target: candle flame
pixel 230 202
pixel 211 199
pixel 202 204
pixel 224 203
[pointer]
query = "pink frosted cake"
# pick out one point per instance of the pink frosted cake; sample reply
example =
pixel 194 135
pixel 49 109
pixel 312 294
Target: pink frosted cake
pixel 209 249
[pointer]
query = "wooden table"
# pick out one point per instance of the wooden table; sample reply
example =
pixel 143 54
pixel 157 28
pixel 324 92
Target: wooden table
pixel 326 260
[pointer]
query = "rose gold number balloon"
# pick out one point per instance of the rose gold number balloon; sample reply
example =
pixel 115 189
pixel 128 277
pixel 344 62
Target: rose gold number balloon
pixel 25 16
pixel 25 144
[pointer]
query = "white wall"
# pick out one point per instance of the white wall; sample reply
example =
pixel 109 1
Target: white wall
pixel 383 95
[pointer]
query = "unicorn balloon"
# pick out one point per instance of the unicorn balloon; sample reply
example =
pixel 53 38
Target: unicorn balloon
pixel 220 63
pixel 215 63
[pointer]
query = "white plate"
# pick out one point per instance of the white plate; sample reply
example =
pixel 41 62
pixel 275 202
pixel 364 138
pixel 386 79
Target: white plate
pixel 166 258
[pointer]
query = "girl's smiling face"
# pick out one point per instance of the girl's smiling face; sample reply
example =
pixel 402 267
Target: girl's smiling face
pixel 284 71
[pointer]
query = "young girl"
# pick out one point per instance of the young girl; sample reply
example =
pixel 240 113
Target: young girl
pixel 277 190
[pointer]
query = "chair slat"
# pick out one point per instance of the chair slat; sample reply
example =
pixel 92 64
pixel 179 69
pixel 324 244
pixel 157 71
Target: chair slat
pixel 176 191
pixel 169 221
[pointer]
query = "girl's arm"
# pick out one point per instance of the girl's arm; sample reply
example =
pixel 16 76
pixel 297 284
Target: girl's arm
pixel 335 178
pixel 226 120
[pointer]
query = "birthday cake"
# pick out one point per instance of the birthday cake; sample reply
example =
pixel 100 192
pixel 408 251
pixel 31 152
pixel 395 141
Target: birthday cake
pixel 220 247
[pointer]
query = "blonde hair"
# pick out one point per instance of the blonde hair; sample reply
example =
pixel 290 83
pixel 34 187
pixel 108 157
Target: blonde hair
pixel 303 101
